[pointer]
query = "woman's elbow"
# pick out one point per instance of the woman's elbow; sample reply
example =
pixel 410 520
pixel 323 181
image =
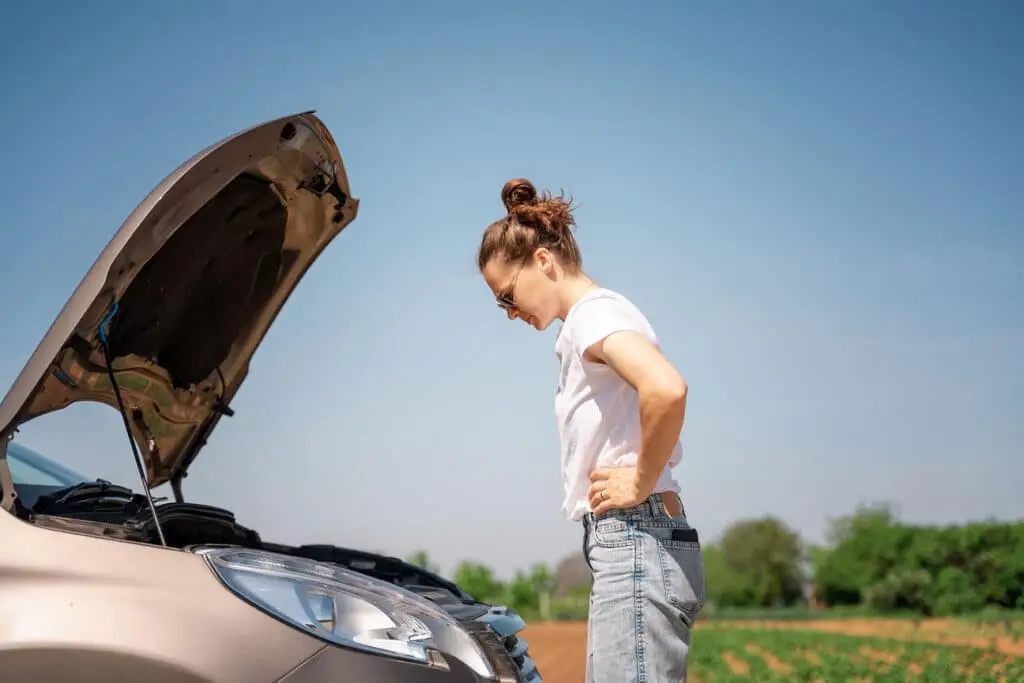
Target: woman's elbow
pixel 677 393
pixel 670 392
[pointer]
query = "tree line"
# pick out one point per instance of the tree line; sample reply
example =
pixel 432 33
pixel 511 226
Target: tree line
pixel 870 561
pixel 529 592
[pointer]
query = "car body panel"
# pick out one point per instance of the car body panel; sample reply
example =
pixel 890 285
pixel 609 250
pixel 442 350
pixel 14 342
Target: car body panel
pixel 86 608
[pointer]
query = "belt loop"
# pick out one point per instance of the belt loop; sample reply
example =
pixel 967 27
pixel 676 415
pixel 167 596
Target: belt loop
pixel 586 544
pixel 654 503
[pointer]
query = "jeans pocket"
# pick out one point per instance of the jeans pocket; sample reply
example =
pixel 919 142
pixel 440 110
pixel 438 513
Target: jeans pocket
pixel 611 532
pixel 682 567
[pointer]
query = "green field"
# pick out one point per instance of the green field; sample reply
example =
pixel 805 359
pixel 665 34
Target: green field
pixel 721 655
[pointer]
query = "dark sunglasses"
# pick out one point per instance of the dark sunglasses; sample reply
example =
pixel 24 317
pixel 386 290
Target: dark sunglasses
pixel 506 300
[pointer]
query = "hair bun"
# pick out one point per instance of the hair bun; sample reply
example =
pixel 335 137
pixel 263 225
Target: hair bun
pixel 518 192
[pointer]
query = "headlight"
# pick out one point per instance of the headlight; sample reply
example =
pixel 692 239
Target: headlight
pixel 346 608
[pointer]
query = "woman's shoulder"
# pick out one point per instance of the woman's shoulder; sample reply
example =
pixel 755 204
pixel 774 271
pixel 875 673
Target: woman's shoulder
pixel 603 298
pixel 605 309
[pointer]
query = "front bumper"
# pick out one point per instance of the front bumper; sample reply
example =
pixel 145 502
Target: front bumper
pixel 497 632
pixel 338 665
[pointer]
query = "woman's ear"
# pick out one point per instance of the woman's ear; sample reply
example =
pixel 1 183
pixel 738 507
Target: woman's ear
pixel 545 260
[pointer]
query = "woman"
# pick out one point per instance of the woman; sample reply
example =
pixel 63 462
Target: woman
pixel 620 407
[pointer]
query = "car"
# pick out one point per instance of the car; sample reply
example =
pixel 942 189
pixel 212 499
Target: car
pixel 100 581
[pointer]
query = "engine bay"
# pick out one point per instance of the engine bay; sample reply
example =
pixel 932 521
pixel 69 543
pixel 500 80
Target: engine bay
pixel 187 525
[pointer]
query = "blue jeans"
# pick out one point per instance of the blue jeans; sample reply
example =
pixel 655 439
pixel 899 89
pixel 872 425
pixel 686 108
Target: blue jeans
pixel 647 588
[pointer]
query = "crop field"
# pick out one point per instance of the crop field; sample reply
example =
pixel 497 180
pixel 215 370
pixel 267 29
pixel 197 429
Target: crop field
pixel 858 651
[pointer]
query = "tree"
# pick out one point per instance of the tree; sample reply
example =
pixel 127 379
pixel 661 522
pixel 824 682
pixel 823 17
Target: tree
pixel 479 581
pixel 863 548
pixel 530 592
pixel 542 579
pixel 719 580
pixel 876 560
pixel 759 564
pixel 955 591
pixel 421 559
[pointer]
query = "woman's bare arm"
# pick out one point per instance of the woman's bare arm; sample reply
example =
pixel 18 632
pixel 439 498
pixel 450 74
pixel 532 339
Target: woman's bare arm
pixel 662 396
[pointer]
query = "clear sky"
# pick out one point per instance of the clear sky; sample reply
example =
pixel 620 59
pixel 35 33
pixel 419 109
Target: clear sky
pixel 818 205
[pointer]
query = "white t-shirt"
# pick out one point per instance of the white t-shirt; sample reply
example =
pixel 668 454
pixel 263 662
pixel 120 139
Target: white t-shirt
pixel 598 412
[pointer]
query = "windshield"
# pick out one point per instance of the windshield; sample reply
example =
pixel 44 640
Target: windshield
pixel 36 476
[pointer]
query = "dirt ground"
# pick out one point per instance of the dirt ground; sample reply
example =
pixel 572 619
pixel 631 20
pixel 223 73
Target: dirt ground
pixel 559 648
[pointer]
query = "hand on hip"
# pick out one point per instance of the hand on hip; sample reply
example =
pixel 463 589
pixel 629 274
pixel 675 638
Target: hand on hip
pixel 614 488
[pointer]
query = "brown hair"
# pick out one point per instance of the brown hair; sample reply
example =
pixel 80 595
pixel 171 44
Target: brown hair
pixel 532 222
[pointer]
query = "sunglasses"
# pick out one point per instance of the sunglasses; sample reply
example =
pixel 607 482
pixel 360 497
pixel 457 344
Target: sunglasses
pixel 506 300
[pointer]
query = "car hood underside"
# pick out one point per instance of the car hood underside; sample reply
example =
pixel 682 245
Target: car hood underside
pixel 185 291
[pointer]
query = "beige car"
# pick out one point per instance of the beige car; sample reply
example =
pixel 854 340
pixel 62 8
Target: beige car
pixel 102 583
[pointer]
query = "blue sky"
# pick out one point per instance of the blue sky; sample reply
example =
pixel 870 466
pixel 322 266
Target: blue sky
pixel 818 205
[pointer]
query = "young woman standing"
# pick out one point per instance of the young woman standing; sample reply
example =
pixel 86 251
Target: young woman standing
pixel 620 406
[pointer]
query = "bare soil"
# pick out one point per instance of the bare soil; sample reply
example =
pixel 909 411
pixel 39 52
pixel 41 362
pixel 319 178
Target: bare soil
pixel 559 649
pixel 773 662
pixel 737 665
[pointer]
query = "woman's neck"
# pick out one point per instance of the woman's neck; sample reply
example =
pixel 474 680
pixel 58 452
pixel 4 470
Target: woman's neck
pixel 574 287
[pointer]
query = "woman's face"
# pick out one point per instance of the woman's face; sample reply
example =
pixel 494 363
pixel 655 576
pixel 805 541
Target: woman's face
pixel 527 291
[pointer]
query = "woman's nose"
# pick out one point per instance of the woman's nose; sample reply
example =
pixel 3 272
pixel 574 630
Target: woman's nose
pixel 513 313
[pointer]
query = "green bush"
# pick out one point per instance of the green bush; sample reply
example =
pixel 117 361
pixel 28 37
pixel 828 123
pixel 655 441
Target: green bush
pixel 874 560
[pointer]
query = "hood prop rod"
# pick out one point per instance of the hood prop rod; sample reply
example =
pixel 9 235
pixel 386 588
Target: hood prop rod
pixel 102 334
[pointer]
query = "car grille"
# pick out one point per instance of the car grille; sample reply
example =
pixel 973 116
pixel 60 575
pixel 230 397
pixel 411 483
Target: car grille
pixel 498 633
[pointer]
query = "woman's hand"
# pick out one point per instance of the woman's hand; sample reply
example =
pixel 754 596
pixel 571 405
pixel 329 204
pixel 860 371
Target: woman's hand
pixel 615 488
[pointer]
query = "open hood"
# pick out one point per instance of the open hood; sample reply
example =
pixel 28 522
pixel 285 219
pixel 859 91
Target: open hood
pixel 187 288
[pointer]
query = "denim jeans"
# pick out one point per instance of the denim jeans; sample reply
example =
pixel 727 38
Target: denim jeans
pixel 647 588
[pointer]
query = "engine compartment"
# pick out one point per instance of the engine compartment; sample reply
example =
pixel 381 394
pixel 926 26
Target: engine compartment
pixel 190 524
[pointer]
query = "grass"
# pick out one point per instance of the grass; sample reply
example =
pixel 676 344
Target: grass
pixel 721 655
pixel 857 650
pixel 995 620
pixel 992 622
pixel 794 613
